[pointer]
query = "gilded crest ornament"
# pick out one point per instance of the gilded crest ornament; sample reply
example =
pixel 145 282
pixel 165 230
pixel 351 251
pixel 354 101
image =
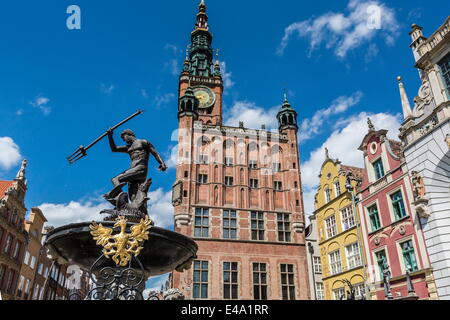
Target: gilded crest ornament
pixel 122 246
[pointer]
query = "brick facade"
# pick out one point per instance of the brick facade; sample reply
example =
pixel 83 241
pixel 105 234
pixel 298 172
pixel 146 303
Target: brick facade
pixel 238 194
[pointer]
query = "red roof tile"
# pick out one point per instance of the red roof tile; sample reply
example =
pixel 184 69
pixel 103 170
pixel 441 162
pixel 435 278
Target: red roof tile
pixel 357 172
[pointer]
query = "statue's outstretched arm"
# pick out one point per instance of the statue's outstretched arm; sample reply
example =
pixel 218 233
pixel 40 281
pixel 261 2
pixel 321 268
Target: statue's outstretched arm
pixel 112 144
pixel 157 156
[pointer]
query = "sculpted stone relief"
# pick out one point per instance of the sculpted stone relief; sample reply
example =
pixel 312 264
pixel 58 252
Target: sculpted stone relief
pixel 423 99
pixel 421 201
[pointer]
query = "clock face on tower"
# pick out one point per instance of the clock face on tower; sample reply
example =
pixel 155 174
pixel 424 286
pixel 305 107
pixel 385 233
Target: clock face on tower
pixel 205 95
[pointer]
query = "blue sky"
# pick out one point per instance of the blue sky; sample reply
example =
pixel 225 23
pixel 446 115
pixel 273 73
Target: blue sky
pixel 62 88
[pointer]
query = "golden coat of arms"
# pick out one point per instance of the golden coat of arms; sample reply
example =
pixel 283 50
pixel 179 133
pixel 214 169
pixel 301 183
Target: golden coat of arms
pixel 122 246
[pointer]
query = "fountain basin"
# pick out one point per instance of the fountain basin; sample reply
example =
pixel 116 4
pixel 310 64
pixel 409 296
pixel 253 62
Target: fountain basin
pixel 163 252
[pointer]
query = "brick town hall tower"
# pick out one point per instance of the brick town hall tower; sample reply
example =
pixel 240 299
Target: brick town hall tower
pixel 238 192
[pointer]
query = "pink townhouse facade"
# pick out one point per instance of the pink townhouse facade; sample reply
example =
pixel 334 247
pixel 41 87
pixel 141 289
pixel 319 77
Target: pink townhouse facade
pixel 391 227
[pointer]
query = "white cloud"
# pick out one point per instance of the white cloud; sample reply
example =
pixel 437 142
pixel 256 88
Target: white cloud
pixel 105 89
pixel 311 127
pixel 252 115
pixel 164 99
pixel 344 32
pixel 9 153
pixel 19 112
pixel 73 212
pixel 343 144
pixel 172 66
pixel 159 207
pixel 226 76
pixel 41 103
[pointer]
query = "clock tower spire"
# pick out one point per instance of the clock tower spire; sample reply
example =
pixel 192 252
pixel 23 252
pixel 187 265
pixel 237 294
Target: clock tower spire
pixel 201 74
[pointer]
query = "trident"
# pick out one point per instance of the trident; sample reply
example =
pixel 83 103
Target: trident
pixel 82 151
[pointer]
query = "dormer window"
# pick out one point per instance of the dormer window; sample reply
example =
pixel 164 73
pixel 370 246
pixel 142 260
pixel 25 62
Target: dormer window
pixel 378 169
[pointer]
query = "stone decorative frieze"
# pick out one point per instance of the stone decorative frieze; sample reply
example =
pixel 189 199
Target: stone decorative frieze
pixel 429 125
pixel 447 140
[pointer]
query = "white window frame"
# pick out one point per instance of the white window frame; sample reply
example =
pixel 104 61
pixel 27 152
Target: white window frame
pixel 330 225
pixel 26 258
pixel 337 188
pixel 317 265
pixel 353 254
pixel 320 292
pixel 327 194
pixel 335 266
pixel 391 207
pixel 345 216
pixel 337 296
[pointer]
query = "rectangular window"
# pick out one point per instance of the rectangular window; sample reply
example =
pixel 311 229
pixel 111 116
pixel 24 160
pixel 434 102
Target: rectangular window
pixel 26 258
pixel 228 161
pixel 33 262
pixel 229 224
pixel 257 225
pixel 320 293
pixel 335 262
pixel 277 185
pixel 374 218
pixel 444 65
pixel 276 167
pixel 16 249
pixel 327 194
pixel 229 181
pixel 8 244
pixel 259 281
pixel 203 159
pixel 20 287
pixel 360 291
pixel 331 226
pixel 348 218
pixel 201 224
pixel 41 266
pixel 2 274
pixel 317 265
pixel 353 256
pixel 230 280
pixel 337 188
pixel 284 227
pixel 398 205
pixel 378 169
pixel 200 281
pixel 287 281
pixel 203 178
pixel 36 292
pixel 253 164
pixel 254 183
pixel 409 256
pixel 381 258
pixel 339 294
